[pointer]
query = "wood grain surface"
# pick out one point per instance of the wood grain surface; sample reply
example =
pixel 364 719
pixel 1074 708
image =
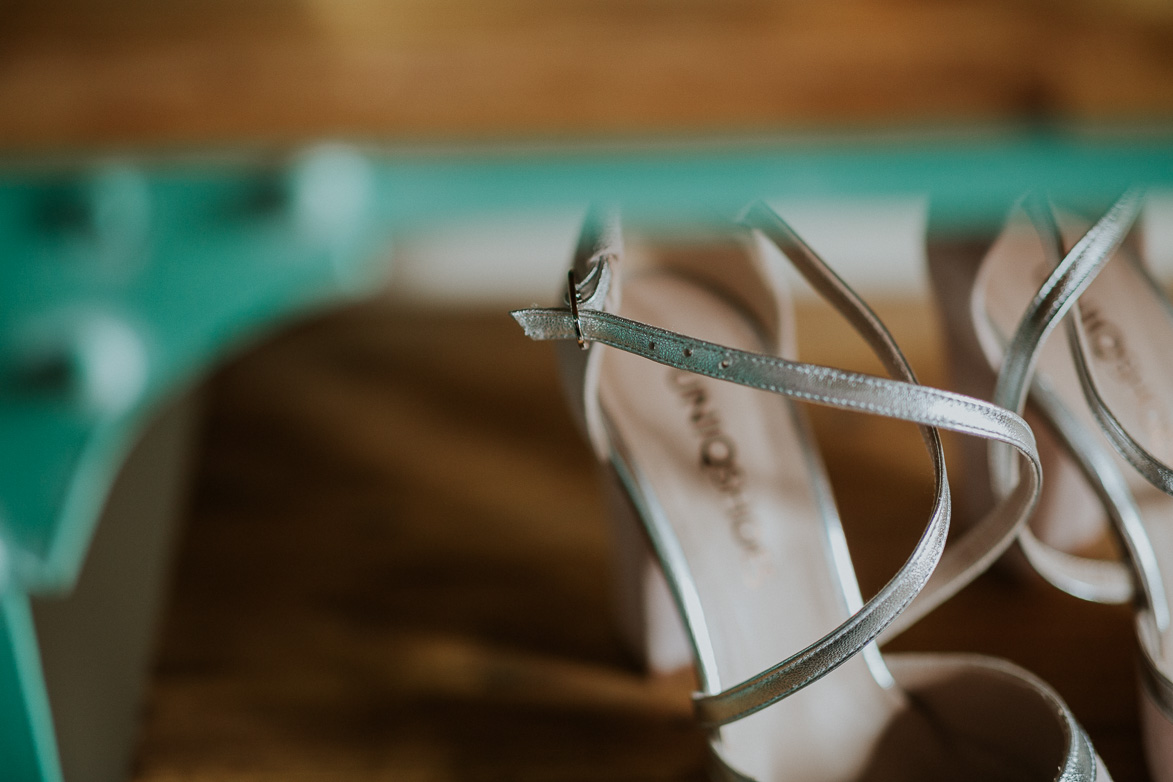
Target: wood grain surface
pixel 396 568
pixel 135 73
pixel 395 565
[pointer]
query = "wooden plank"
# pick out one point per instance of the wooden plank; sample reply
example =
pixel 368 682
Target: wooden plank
pixel 396 567
pixel 137 73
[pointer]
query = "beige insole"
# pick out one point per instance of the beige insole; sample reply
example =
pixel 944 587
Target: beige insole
pixel 1130 336
pixel 732 469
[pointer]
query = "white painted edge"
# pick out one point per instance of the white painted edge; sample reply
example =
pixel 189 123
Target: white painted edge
pixel 518 258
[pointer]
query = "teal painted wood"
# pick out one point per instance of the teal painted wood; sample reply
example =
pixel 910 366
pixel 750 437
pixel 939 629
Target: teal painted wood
pixel 120 285
pixel 28 749
pixel 972 175
pixel 122 282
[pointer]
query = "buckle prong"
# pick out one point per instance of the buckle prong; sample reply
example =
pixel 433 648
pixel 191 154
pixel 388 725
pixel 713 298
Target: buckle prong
pixel 572 295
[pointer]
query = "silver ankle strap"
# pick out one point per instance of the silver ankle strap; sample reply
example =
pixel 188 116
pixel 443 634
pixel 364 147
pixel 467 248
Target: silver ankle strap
pixel 916 588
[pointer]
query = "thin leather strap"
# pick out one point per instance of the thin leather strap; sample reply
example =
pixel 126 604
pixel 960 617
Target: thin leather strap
pixel 1054 299
pixel 1120 503
pixel 798 380
pixel 1087 578
pixel 847 390
pixel 1150 467
pixel 835 388
pixel 831 287
pixel 982 544
pixel 824 386
pixel 1137 544
pixel 1060 291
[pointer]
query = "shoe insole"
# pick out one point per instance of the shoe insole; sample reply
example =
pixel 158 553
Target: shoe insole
pixel 1129 329
pixel 734 472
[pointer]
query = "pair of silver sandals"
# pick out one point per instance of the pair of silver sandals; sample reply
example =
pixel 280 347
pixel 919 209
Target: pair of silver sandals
pixel 667 352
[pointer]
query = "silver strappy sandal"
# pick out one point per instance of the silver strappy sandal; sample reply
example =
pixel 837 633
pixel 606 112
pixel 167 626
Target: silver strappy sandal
pixel 1105 392
pixel 729 491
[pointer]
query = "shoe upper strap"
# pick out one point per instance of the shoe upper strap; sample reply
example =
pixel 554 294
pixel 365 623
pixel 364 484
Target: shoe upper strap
pixel 1074 271
pixel 933 572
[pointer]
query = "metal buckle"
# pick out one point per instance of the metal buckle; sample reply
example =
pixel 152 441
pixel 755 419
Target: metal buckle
pixel 572 296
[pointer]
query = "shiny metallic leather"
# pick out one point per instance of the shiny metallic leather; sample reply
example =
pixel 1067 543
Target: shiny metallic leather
pixel 1094 579
pixel 1138 577
pixel 1091 579
pixel 933 572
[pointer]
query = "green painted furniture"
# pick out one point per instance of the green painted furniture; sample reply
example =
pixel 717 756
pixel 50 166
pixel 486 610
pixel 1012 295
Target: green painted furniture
pixel 124 281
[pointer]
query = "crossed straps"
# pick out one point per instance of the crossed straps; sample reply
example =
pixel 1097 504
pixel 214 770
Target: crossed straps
pixel 932 573
pixel 1074 271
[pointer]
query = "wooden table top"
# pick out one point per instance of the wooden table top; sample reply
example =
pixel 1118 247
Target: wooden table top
pixel 135 74
pixel 395 567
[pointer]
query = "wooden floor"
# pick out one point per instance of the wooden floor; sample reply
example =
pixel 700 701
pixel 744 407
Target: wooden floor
pixel 395 567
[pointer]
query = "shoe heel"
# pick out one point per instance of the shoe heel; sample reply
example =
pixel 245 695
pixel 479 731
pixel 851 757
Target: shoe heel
pixel 648 619
pixel 1157 734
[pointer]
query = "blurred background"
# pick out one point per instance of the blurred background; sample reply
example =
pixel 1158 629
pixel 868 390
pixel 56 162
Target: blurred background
pixel 329 519
pixel 137 75
pixel 143 79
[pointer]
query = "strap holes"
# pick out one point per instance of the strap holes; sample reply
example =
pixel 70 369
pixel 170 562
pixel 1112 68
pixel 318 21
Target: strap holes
pixel 688 352
pixel 725 363
pixel 651 345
